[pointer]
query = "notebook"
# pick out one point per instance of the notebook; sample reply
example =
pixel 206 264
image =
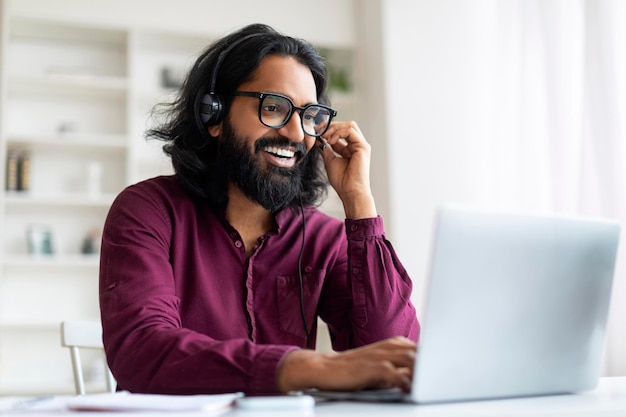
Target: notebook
pixel 516 305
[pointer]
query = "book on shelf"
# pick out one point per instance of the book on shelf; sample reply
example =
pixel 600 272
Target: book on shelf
pixel 23 172
pixel 18 171
pixel 12 169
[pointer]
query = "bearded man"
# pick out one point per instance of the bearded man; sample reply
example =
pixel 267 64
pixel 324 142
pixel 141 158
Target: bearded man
pixel 212 280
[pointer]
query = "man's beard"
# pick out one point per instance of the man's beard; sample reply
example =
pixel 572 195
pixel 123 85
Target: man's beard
pixel 273 187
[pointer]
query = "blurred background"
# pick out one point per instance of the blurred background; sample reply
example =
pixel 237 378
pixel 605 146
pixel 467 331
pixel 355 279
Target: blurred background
pixel 515 105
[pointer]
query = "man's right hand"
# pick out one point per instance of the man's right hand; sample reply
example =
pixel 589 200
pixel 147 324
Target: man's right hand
pixel 384 364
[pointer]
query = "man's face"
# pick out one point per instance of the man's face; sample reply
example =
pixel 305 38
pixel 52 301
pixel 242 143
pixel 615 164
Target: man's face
pixel 266 163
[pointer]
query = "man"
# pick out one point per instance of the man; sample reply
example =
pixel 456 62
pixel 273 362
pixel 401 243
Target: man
pixel 212 280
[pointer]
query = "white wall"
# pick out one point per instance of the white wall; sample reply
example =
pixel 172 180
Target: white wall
pixel 431 112
pixel 370 90
pixel 513 103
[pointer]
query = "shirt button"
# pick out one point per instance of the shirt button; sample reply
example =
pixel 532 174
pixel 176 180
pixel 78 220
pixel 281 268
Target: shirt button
pixel 308 268
pixel 238 243
pixel 356 271
pixel 354 227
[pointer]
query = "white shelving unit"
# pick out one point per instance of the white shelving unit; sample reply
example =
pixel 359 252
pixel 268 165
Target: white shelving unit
pixel 75 97
pixel 64 105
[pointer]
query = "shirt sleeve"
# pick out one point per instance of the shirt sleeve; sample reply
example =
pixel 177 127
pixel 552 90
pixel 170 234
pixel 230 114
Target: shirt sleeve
pixel 378 289
pixel 148 350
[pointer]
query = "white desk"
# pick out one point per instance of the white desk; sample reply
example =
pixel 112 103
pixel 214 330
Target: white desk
pixel 608 399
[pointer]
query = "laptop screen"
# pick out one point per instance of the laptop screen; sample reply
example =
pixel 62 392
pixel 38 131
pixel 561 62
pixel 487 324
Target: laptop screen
pixel 517 305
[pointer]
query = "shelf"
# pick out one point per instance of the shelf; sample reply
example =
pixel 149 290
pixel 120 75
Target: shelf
pixel 18 198
pixel 36 326
pixel 64 84
pixel 73 140
pixel 25 326
pixel 63 261
pixel 64 32
pixel 36 390
pixel 44 390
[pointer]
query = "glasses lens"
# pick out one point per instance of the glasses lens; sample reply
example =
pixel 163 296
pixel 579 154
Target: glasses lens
pixel 275 110
pixel 315 120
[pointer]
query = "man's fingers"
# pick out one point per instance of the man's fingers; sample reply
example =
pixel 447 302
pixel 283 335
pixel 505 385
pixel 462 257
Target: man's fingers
pixel 398 357
pixel 384 364
pixel 377 374
pixel 393 343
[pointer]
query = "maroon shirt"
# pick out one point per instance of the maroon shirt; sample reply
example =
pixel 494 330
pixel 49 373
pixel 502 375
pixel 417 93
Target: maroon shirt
pixel 184 310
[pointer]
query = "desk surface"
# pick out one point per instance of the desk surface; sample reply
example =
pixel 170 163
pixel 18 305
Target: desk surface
pixel 608 399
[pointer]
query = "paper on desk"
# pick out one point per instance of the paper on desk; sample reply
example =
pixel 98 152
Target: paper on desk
pixel 124 401
pixel 25 404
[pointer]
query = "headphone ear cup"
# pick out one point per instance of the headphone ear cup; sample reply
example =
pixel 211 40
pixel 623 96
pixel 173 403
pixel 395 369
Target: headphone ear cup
pixel 211 109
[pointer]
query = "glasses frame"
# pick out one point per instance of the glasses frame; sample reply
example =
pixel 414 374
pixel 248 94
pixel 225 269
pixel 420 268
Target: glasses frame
pixel 263 94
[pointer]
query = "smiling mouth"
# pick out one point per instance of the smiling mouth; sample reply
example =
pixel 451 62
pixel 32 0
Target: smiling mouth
pixel 282 153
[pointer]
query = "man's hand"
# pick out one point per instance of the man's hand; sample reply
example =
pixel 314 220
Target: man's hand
pixel 385 364
pixel 347 161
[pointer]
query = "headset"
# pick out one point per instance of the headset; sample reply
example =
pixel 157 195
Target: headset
pixel 212 107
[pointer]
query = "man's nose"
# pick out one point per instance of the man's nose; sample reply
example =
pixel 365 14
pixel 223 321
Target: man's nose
pixel 293 128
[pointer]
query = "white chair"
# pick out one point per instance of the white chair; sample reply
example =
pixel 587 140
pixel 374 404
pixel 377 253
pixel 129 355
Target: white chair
pixel 78 335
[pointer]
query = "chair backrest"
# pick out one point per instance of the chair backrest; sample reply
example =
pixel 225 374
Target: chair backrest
pixel 77 335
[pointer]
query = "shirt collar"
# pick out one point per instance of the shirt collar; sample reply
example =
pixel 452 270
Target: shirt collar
pixel 283 217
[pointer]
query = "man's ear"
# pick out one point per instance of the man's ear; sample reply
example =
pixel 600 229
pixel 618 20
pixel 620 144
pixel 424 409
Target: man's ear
pixel 215 130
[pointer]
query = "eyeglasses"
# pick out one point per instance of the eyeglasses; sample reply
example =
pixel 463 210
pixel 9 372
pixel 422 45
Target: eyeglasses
pixel 275 110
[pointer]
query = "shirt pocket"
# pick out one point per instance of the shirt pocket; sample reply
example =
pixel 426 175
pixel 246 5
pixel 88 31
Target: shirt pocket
pixel 288 301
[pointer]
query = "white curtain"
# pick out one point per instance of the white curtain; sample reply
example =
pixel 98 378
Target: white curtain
pixel 558 142
pixel 512 103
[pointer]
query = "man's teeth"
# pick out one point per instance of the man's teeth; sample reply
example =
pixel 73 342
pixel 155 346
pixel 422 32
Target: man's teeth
pixel 285 153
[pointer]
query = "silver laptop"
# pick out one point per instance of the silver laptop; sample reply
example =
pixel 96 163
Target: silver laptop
pixel 517 305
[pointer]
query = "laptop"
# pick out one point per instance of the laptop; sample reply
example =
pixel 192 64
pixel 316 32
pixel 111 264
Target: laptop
pixel 516 305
